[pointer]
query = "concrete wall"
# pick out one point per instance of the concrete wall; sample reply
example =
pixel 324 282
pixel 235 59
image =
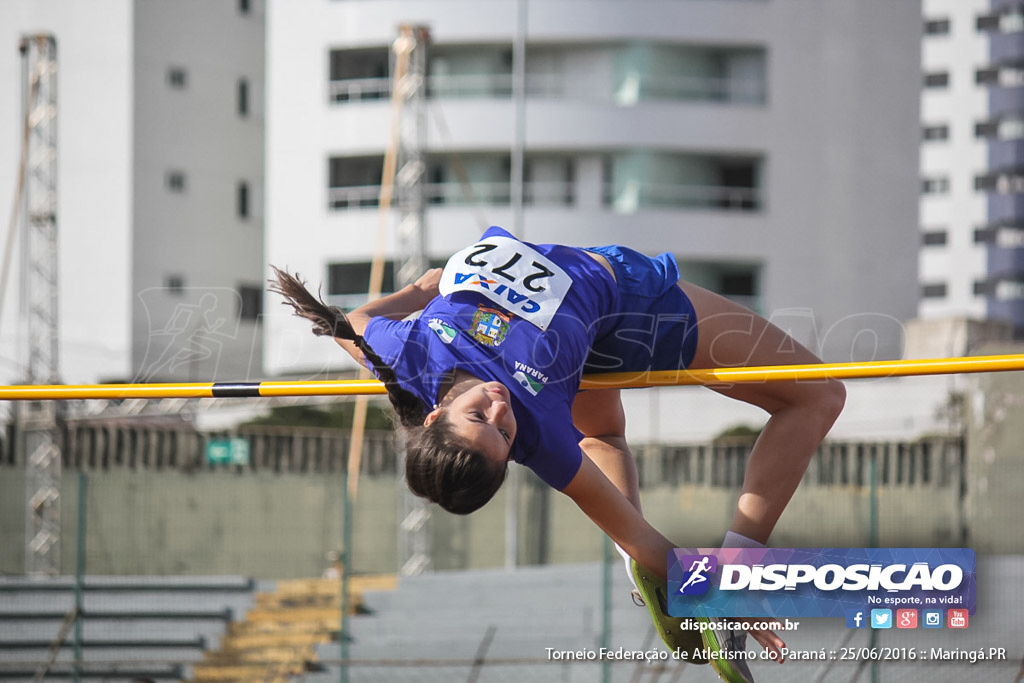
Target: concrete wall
pixel 281 525
pixel 995 429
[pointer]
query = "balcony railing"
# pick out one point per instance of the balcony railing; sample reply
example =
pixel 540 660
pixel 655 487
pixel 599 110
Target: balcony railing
pixel 631 197
pixel 627 198
pixel 457 194
pixel 628 92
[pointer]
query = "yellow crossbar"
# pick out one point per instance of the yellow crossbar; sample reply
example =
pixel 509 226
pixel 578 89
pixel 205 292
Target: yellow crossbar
pixel 624 380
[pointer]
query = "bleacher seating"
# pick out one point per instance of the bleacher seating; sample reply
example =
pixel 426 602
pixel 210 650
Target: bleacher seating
pixel 278 637
pixel 131 627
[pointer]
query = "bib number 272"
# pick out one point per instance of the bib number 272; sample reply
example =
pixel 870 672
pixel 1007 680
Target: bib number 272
pixel 510 273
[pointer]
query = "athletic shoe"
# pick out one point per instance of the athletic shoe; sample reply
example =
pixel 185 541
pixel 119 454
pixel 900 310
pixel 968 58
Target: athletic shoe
pixel 732 669
pixel 652 593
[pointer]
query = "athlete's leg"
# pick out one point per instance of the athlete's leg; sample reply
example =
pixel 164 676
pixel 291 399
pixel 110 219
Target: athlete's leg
pixel 801 412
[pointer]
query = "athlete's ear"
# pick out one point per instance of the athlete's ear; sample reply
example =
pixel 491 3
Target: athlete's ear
pixel 432 416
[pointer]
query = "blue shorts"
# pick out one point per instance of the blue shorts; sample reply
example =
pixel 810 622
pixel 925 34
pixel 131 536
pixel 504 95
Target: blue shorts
pixel 655 327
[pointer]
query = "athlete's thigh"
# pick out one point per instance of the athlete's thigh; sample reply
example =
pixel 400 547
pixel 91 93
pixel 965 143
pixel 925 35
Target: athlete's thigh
pixel 599 413
pixel 730 335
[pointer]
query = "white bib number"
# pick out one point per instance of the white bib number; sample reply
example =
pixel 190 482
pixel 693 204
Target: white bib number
pixel 511 274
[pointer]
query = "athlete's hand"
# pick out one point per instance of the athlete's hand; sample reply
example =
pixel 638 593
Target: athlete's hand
pixel 429 282
pixel 769 641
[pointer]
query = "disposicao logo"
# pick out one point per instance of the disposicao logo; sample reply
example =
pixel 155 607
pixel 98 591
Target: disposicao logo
pixel 696 580
pixel 818 582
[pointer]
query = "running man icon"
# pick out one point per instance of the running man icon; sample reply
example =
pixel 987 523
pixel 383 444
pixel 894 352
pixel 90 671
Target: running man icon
pixel 698 571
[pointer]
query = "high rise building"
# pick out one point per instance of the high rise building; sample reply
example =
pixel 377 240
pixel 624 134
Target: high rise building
pixel 771 145
pixel 160 158
pixel 972 161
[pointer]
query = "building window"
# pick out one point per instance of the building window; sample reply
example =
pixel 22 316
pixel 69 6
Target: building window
pixel 243 7
pixel 983 288
pixel 242 199
pixel 738 285
pixel 346 279
pixel 1010 289
pixel 360 74
pixel 1002 236
pixel 1012 21
pixel 354 182
pixel 935 186
pixel 933 133
pixel 1008 128
pixel 936 27
pixel 175 284
pixel 987 76
pixel 933 238
pixel 934 291
pixel 176 181
pixel 986 129
pixel 1010 181
pixel 988 22
pixel 177 77
pixel 1011 128
pixel 243 97
pixel 250 302
pixel 939 79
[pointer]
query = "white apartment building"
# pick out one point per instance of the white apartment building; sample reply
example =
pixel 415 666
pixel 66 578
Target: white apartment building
pixel 972 161
pixel 160 158
pixel 772 145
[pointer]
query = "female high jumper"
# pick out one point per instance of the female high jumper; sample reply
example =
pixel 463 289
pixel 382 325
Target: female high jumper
pixel 489 372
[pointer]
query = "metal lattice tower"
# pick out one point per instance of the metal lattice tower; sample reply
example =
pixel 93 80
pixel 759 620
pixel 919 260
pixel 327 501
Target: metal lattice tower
pixel 38 420
pixel 410 50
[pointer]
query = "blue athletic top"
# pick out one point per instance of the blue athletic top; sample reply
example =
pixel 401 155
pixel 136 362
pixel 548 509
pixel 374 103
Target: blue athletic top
pixel 535 317
pixel 470 330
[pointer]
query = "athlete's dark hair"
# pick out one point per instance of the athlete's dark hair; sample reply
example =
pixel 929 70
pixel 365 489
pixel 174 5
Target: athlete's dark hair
pixel 331 321
pixel 439 465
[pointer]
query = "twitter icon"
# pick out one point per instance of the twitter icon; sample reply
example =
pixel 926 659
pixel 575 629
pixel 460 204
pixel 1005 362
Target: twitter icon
pixel 881 618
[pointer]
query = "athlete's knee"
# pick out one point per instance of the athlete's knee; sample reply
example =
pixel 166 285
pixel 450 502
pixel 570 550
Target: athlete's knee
pixel 828 401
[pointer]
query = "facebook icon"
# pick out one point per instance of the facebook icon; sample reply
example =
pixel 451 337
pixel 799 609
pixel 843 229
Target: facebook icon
pixel 855 618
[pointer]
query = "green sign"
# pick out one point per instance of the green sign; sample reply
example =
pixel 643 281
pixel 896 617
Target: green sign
pixel 227 452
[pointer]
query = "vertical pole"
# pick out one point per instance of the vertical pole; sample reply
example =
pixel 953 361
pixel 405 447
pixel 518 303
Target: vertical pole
pixel 346 563
pixel 38 420
pixel 79 573
pixel 873 543
pixel 512 519
pixel 606 608
pixel 519 101
pixel 516 199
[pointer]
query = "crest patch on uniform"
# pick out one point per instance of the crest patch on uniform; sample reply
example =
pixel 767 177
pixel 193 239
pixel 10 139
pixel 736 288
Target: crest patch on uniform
pixel 489 326
pixel 443 330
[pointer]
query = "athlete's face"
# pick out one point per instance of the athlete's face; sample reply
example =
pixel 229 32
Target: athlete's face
pixel 483 416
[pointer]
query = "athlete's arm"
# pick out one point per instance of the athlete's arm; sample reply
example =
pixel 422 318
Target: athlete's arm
pixel 401 304
pixel 598 498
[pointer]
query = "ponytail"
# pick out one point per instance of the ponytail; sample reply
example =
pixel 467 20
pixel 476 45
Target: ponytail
pixel 439 465
pixel 331 321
